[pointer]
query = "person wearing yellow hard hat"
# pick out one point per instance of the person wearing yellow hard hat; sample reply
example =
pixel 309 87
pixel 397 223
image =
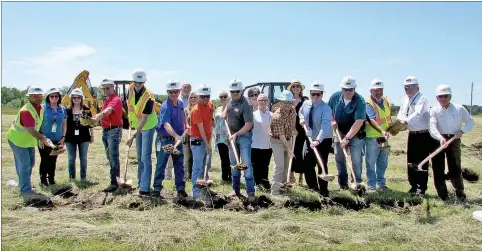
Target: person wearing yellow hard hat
pixel 23 136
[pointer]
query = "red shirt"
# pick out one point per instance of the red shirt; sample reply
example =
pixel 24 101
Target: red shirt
pixel 202 114
pixel 26 119
pixel 115 117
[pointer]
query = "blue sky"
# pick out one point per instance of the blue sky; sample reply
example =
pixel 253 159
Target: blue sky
pixel 210 43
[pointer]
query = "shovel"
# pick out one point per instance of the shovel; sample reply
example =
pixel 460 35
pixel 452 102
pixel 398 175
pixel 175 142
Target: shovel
pixel 288 183
pixel 419 166
pixel 126 183
pixel 240 166
pixel 170 149
pixel 323 175
pixel 358 189
pixel 204 183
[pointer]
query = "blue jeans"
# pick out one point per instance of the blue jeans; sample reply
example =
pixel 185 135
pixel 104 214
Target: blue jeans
pixel 199 155
pixel 356 153
pixel 376 162
pixel 243 146
pixel 144 153
pixel 111 140
pixel 24 161
pixel 72 154
pixel 162 158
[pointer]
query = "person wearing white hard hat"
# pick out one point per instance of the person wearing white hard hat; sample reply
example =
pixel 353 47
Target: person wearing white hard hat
pixel 201 135
pixel 448 120
pixel 54 127
pixel 140 104
pixel 24 135
pixel 316 116
pixel 282 131
pixel 169 129
pixel 110 119
pixel 349 115
pixel 78 136
pixel 379 117
pixel 414 112
pixel 239 115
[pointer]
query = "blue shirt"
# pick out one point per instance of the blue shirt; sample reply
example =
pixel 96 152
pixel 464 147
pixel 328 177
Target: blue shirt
pixel 51 117
pixel 370 111
pixel 321 120
pixel 174 115
pixel 345 116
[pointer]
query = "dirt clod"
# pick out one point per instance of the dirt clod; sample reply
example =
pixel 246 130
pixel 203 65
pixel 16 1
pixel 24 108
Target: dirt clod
pixel 65 192
pixel 397 152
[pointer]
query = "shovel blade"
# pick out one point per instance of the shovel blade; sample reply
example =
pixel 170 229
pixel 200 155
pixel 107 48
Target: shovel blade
pixel 327 177
pixel 415 167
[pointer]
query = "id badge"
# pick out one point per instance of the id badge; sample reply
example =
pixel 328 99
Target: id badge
pixel 76 132
pixel 158 146
pixel 54 128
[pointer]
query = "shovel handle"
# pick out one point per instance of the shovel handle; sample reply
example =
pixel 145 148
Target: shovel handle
pixel 293 139
pixel 441 148
pixel 232 143
pixel 127 155
pixel 346 156
pixel 317 154
pixel 179 141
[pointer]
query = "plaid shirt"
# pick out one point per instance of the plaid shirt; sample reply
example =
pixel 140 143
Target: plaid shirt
pixel 283 123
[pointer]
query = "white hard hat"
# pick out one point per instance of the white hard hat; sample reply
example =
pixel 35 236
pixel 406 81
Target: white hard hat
pixel 204 90
pixel 139 76
pixel 377 84
pixel 442 90
pixel 348 82
pixel 51 91
pixel 235 85
pixel 32 90
pixel 410 80
pixel 77 91
pixel 107 82
pixel 317 86
pixel 173 84
pixel 286 96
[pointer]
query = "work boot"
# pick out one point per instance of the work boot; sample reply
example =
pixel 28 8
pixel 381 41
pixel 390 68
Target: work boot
pixel 461 196
pixel 235 193
pixel 111 188
pixel 156 194
pixel 182 193
pixel 251 199
pixel 142 193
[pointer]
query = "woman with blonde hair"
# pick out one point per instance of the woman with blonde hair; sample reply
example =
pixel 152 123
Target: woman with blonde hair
pixel 78 136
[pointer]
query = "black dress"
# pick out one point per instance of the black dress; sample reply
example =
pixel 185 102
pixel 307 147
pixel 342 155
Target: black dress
pixel 300 141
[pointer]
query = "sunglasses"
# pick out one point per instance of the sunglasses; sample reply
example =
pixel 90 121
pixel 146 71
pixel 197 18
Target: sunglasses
pixel 76 97
pixel 254 95
pixel 296 86
pixel 193 97
pixel 235 92
pixel 316 94
pixel 349 89
pixel 54 96
pixel 205 96
pixel 173 92
pixel 443 96
pixel 410 87
pixel 223 97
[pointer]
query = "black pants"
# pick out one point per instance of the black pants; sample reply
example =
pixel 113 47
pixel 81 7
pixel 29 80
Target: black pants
pixel 420 146
pixel 310 163
pixel 225 163
pixel 47 164
pixel 260 159
pixel 297 165
pixel 452 152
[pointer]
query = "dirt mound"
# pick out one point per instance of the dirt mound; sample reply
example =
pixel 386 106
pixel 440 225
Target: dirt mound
pixel 325 203
pixel 397 152
pixel 40 203
pixel 225 202
pixel 84 201
pixel 65 192
pixel 477 145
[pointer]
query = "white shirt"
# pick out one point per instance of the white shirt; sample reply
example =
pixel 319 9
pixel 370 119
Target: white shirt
pixel 418 115
pixel 449 121
pixel 261 122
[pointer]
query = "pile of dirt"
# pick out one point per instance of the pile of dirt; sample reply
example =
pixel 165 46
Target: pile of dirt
pixel 477 146
pixel 84 201
pixel 397 152
pixel 326 202
pixel 225 202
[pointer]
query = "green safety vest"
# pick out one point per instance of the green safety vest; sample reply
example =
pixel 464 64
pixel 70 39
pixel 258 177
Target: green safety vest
pixel 383 117
pixel 18 134
pixel 135 110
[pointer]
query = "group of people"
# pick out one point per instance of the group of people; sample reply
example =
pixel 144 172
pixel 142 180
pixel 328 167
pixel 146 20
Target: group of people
pixel 301 130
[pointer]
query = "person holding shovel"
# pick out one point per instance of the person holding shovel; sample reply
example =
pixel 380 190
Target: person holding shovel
pixel 169 129
pixel 110 119
pixel 315 116
pixel 239 115
pixel 349 114
pixel 446 121
pixel 24 135
pixel 414 112
pixel 140 105
pixel 379 118
pixel 282 131
pixel 201 134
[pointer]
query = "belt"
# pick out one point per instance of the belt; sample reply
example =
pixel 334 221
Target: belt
pixel 167 137
pixel 110 128
pixel 417 132
pixel 448 135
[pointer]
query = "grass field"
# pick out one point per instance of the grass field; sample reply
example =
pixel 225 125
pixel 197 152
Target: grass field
pixel 93 221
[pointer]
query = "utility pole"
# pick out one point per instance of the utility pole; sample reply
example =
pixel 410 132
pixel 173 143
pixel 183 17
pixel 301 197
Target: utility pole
pixel 471 95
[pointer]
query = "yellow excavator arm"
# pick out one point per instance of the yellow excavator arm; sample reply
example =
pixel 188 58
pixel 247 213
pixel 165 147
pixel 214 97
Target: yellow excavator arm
pixel 90 97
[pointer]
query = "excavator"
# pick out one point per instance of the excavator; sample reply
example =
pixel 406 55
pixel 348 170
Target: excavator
pixel 94 97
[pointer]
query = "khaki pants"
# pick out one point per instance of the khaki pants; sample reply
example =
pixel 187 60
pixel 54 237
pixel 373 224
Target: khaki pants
pixel 169 169
pixel 281 162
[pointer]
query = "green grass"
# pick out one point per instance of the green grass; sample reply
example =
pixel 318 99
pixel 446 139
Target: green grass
pixel 116 226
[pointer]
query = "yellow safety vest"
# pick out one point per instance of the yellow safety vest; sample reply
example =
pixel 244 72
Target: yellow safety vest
pixel 135 110
pixel 18 134
pixel 383 117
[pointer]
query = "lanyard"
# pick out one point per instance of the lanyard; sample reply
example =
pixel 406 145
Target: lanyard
pixel 410 104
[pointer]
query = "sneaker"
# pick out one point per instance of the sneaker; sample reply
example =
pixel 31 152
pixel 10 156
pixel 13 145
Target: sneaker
pixel 420 193
pixel 182 193
pixel 344 188
pixel 111 188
